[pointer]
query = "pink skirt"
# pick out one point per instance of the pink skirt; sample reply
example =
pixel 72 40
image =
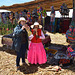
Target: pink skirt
pixel 36 53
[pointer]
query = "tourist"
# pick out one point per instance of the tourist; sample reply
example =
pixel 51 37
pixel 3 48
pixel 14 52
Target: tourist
pixel 20 41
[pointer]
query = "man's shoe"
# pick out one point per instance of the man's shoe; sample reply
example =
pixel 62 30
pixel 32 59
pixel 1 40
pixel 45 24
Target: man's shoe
pixel 18 68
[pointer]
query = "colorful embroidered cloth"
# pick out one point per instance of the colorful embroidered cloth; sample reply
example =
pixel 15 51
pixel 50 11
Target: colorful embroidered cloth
pixel 70 52
pixel 70 34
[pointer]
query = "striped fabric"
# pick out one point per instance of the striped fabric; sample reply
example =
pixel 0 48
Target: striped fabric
pixel 70 34
pixel 70 52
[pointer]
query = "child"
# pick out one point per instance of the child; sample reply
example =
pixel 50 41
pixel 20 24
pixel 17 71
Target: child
pixel 36 53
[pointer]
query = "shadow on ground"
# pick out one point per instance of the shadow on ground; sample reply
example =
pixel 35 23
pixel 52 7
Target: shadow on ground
pixel 29 69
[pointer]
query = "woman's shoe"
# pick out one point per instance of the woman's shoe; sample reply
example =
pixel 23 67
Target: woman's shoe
pixel 18 68
pixel 24 63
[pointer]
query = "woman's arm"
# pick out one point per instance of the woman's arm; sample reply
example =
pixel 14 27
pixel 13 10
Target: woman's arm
pixel 42 35
pixel 31 36
pixel 17 31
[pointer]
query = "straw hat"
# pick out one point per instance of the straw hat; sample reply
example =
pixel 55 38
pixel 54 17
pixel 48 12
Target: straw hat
pixel 22 19
pixel 36 23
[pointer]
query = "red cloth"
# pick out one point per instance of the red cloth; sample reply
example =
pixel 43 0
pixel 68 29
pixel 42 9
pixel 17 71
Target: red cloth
pixel 35 39
pixel 64 61
pixel 65 25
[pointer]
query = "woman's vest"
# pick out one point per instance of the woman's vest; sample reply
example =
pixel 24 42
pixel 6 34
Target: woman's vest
pixel 35 39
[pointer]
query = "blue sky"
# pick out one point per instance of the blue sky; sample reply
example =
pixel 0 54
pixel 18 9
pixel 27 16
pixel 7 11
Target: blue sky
pixel 11 2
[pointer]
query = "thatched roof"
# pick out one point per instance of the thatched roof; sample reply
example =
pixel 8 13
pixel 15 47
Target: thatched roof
pixel 46 4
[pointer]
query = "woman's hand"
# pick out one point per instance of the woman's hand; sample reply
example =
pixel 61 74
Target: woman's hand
pixel 23 27
pixel 37 36
pixel 27 27
pixel 34 32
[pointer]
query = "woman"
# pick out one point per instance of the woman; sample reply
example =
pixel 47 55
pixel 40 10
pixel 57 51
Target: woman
pixel 36 53
pixel 20 41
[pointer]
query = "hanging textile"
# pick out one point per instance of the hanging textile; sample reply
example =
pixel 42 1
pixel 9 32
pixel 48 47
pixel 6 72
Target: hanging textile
pixel 57 24
pixel 52 20
pixel 64 25
pixel 23 15
pixel 20 15
pixel 44 13
pixel 7 17
pixel 16 15
pixel 70 34
pixel 29 16
pixel 47 23
pixel 70 51
pixel 52 14
pixel 0 17
pixel 64 10
pixel 3 17
pixel 39 12
pixel 11 17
